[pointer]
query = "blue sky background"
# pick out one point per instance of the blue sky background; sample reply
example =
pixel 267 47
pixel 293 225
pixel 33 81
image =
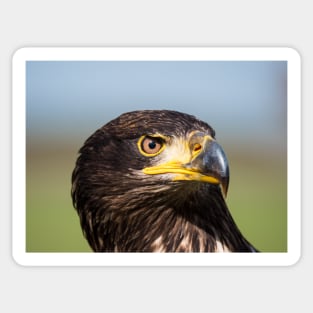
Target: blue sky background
pixel 243 100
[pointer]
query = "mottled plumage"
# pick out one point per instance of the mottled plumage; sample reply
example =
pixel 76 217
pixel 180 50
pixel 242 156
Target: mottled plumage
pixel 132 199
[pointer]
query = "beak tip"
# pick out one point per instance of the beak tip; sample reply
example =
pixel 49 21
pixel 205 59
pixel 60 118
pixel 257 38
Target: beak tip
pixel 224 186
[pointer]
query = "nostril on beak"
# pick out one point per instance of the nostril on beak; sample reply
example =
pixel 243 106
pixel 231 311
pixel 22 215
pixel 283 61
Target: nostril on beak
pixel 197 147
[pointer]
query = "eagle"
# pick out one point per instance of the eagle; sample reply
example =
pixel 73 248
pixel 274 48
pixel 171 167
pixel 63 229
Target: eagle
pixel 155 181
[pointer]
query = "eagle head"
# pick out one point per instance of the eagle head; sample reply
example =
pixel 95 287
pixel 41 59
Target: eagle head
pixel 155 181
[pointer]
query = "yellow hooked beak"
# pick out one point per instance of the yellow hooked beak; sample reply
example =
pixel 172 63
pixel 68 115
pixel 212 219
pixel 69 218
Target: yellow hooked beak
pixel 202 159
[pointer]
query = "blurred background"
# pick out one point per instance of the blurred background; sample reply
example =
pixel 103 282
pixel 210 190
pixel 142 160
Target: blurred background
pixel 245 102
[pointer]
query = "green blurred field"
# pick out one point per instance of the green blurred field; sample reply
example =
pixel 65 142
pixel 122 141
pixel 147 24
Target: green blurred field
pixel 257 199
pixel 52 224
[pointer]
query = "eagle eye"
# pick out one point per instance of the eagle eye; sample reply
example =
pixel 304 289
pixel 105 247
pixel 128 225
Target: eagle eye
pixel 150 145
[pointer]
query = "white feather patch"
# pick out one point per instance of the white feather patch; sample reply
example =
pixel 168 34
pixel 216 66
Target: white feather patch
pixel 220 247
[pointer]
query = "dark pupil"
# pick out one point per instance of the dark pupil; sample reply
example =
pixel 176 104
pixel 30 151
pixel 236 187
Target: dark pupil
pixel 152 144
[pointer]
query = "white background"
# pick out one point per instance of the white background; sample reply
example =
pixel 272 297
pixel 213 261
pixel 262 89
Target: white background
pixel 161 23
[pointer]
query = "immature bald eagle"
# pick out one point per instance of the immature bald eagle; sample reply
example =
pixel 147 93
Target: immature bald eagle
pixel 155 181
